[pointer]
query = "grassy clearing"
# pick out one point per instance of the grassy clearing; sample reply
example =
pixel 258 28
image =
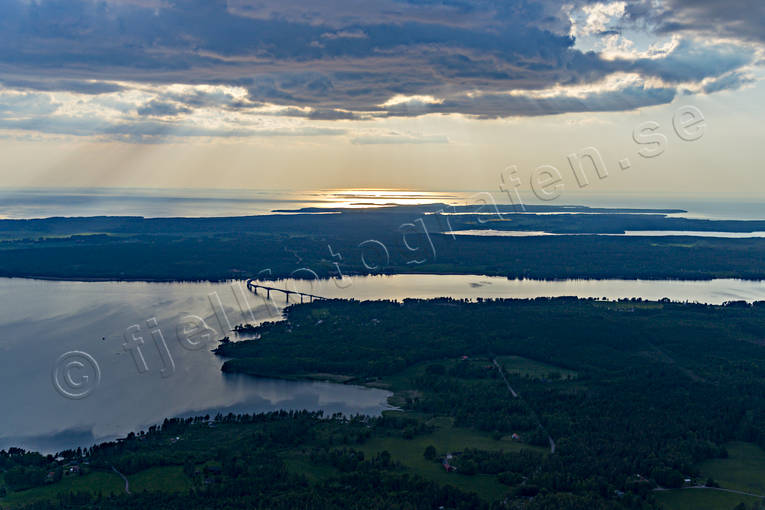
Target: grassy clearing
pixel 743 470
pixel 524 367
pixel 445 438
pixel 701 499
pixel 98 481
pixel 514 365
pixel 167 479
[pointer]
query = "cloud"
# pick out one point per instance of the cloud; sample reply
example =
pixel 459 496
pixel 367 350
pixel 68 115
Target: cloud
pixel 599 14
pixel 333 115
pixel 145 115
pixel 220 63
pixel 496 105
pixel 14 104
pixel 731 81
pixel 90 87
pixel 162 109
pixel 738 20
pixel 693 62
pixel 152 131
pixel 398 138
pixel 345 34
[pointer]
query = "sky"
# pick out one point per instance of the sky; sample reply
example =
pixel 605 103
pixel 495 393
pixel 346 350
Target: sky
pixel 405 94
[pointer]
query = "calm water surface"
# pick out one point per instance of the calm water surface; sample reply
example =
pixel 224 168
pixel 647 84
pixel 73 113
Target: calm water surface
pixel 150 202
pixel 42 319
pixel 399 287
pixel 631 233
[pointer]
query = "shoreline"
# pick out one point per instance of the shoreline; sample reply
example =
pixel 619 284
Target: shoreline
pixel 77 279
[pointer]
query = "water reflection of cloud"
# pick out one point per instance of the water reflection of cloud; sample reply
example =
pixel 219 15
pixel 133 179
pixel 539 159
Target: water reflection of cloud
pixel 51 442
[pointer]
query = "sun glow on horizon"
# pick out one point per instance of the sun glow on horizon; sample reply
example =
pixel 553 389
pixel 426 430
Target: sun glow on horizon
pixel 370 197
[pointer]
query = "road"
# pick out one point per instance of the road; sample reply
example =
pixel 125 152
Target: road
pixel 720 489
pixel 515 395
pixel 127 484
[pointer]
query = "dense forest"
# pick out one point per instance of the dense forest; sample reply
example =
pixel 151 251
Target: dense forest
pixel 238 462
pixel 402 239
pixel 522 404
pixel 641 390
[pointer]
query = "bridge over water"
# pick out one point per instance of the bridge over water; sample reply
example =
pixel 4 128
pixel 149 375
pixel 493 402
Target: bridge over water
pixel 252 286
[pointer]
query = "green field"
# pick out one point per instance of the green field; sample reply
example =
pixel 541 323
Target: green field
pixel 170 478
pixel 167 479
pixel 523 367
pixel 95 482
pixel 446 438
pixel 409 452
pixel 701 499
pixel 513 365
pixel 743 470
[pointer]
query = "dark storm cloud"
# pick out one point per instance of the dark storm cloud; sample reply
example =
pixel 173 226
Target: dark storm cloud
pixel 343 59
pixel 735 19
pixel 77 86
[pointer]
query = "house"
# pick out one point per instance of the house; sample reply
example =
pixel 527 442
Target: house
pixel 447 465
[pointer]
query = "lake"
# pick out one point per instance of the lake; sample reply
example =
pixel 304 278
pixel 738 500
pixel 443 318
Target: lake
pixel 398 287
pixel 630 233
pixel 41 320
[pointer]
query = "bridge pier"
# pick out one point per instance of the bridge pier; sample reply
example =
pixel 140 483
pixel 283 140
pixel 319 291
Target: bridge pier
pixel 254 288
